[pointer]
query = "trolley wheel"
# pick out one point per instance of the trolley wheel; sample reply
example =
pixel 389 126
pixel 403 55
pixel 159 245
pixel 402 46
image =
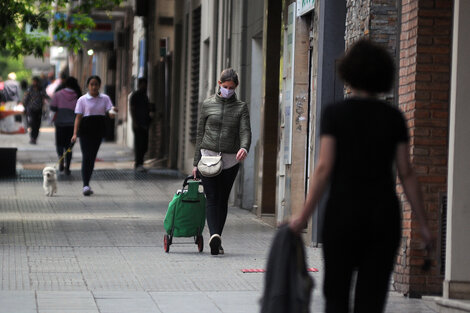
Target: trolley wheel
pixel 166 243
pixel 200 243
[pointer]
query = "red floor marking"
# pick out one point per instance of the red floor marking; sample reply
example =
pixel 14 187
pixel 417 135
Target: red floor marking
pixel 253 270
pixel 260 270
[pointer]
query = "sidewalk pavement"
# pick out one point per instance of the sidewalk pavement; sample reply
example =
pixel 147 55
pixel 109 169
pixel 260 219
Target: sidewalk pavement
pixel 104 253
pixel 44 152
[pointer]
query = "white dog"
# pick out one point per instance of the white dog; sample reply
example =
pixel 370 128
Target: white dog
pixel 50 181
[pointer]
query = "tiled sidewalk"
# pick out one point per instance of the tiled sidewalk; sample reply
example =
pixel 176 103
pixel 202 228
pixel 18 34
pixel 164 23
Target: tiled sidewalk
pixel 104 253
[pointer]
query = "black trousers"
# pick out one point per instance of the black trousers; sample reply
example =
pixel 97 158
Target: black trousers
pixel 373 264
pixel 141 139
pixel 217 190
pixel 34 119
pixel 89 144
pixel 63 134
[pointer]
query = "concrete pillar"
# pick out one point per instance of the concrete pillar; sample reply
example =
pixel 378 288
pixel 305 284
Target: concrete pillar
pixel 267 157
pixel 297 171
pixel 329 88
pixel 457 273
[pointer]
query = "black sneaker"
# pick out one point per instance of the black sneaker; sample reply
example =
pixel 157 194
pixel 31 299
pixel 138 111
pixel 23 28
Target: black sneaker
pixel 215 242
pixel 221 250
pixel 67 171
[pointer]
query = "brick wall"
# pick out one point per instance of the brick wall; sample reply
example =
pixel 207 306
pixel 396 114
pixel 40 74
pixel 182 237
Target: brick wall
pixel 423 92
pixel 424 82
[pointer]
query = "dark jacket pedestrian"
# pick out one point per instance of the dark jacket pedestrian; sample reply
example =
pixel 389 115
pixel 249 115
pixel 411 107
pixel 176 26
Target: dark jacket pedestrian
pixel 360 140
pixel 287 285
pixel 140 112
pixel 11 89
pixel 91 110
pixel 223 128
pixel 63 103
pixel 33 102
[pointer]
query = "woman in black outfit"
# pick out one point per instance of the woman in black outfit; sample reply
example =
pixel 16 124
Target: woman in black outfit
pixel 223 128
pixel 90 111
pixel 360 140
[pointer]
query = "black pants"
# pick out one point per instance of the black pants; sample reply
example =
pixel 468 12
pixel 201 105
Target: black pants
pixel 141 139
pixel 90 145
pixel 217 190
pixel 63 134
pixel 34 119
pixel 373 264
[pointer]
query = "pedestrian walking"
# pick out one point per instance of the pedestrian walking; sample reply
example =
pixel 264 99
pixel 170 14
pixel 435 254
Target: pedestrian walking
pixel 22 118
pixel 33 102
pixel 11 89
pixel 140 113
pixel 360 140
pixel 223 129
pixel 63 104
pixel 90 111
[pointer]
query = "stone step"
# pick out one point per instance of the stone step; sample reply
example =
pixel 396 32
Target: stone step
pixel 452 305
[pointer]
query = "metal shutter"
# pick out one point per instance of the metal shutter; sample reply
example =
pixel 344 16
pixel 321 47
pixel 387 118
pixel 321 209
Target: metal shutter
pixel 195 55
pixel 443 223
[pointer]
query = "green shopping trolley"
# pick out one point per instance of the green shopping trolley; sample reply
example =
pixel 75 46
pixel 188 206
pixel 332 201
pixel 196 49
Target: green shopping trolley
pixel 186 214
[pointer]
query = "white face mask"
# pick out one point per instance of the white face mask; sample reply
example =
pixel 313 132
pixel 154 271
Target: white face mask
pixel 226 93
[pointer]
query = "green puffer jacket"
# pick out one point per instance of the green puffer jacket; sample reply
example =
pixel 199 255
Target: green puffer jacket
pixel 224 126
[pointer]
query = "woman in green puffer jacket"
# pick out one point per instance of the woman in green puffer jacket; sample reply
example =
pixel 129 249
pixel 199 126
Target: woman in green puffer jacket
pixel 224 127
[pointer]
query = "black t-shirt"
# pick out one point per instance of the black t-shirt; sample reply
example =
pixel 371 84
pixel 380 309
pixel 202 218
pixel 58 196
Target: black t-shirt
pixel 367 133
pixel 140 108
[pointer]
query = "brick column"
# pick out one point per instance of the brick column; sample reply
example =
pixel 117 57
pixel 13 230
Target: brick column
pixel 424 76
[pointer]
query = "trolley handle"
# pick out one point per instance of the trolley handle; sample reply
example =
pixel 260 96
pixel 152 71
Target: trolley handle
pixel 191 177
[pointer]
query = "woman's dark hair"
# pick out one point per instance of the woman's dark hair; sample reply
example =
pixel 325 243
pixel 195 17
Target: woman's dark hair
pixel 23 84
pixel 229 74
pixel 72 83
pixel 38 82
pixel 93 77
pixel 367 67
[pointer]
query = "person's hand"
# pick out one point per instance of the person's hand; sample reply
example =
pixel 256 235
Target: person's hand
pixel 112 113
pixel 296 224
pixel 429 242
pixel 241 155
pixel 74 138
pixel 195 172
pixel 427 237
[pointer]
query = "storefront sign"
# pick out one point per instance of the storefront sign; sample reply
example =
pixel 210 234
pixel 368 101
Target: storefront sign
pixel 103 31
pixel 304 6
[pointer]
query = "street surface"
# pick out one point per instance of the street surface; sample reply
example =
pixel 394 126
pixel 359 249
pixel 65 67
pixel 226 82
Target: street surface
pixel 104 253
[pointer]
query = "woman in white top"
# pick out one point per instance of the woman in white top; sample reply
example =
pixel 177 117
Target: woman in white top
pixel 89 125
